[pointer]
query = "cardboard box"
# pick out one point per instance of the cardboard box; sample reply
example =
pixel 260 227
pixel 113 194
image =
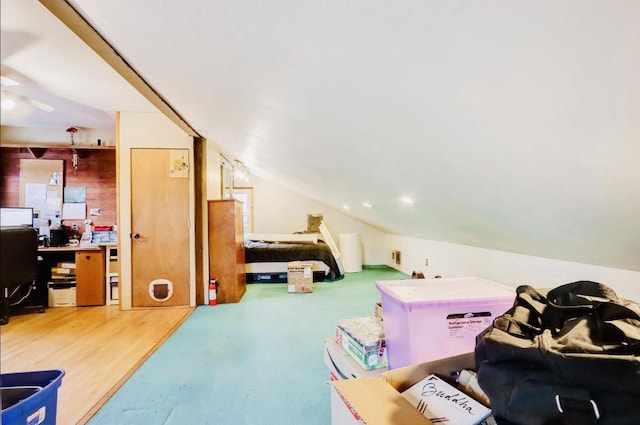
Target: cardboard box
pixel 378 310
pixel 377 401
pixel 300 276
pixel 429 319
pixel 369 357
pixel 342 366
pixel 443 401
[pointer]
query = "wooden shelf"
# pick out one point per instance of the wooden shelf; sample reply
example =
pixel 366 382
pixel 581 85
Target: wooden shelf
pixel 111 273
pixel 38 150
pixel 53 146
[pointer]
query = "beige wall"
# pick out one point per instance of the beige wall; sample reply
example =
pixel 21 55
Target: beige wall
pixel 453 260
pixel 277 209
pixel 213 171
pixel 145 130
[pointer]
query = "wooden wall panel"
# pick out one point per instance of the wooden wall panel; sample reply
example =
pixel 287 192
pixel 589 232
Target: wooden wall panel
pixel 96 171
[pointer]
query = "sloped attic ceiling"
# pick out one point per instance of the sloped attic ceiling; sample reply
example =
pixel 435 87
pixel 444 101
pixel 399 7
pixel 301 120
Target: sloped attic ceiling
pixel 511 125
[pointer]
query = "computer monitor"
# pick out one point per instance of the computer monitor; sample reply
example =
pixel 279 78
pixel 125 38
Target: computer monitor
pixel 16 216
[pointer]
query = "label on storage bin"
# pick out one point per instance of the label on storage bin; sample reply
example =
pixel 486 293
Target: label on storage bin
pixel 36 418
pixel 468 325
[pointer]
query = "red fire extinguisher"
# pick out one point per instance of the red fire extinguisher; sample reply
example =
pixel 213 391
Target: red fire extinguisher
pixel 213 287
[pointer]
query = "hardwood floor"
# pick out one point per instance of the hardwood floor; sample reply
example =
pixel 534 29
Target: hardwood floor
pixel 99 348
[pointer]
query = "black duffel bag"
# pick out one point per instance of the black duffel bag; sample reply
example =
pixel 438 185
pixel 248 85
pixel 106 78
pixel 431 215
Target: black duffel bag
pixel 570 356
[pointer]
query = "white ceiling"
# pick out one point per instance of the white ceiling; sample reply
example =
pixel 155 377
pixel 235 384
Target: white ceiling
pixel 55 67
pixel 514 125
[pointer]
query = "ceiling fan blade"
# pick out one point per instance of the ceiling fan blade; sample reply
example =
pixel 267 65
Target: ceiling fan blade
pixel 8 82
pixel 42 106
pixel 10 100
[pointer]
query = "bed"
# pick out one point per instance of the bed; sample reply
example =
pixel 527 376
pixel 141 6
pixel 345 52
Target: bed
pixel 267 256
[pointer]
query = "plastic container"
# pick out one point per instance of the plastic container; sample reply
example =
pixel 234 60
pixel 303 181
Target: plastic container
pixel 351 252
pixel 30 398
pixel 429 319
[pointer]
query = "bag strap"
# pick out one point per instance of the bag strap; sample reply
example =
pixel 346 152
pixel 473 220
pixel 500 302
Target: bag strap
pixel 524 319
pixel 576 293
pixel 585 296
pixel 576 407
pixel 533 312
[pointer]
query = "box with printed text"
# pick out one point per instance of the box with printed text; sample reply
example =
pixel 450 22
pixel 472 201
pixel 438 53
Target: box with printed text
pixel 300 276
pixel 382 401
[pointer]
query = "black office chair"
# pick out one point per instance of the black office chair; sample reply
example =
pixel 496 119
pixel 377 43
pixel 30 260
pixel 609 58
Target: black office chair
pixel 19 264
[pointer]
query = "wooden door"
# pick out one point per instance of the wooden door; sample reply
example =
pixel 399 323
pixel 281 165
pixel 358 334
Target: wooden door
pixel 159 227
pixel 90 283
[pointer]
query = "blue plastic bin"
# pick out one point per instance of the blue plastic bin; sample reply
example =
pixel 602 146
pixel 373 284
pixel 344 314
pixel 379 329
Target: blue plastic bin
pixel 30 398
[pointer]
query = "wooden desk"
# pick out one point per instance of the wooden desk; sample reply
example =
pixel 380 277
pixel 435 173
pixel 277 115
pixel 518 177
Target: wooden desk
pixel 90 269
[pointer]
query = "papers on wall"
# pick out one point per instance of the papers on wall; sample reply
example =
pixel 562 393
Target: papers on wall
pixel 75 203
pixel 41 184
pixel 52 209
pixel 35 191
pixel 35 196
pixel 74 211
pixel 75 195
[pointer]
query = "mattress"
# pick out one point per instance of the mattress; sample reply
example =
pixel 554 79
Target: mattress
pixel 279 252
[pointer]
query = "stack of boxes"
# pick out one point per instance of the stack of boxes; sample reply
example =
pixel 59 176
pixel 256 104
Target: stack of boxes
pixel 358 349
pixel 430 327
pixel 62 285
pixel 103 236
pixel 363 339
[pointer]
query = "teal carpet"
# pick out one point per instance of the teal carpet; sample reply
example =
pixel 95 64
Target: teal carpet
pixel 256 362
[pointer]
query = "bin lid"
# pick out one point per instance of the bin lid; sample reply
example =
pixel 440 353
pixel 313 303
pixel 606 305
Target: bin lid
pixel 436 290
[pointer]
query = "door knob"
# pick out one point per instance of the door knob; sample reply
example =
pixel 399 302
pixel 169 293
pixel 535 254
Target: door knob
pixel 135 235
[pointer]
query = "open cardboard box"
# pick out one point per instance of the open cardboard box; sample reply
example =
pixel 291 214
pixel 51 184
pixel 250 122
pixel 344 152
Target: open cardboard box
pixel 377 401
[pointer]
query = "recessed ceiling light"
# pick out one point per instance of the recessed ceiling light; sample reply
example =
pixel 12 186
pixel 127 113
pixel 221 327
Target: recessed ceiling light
pixel 367 205
pixel 346 207
pixel 407 200
pixel 7 104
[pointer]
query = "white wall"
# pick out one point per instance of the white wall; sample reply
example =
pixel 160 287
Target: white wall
pixel 213 171
pixel 452 260
pixel 280 210
pixel 146 130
